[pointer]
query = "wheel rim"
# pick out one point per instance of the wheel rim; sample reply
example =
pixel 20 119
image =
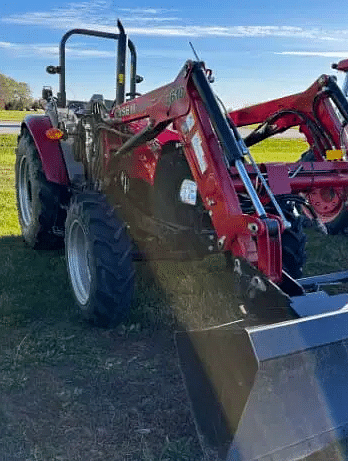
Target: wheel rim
pixel 25 192
pixel 327 202
pixel 79 262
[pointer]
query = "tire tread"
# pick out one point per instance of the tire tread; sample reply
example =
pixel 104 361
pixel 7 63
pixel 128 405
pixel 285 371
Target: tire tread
pixel 110 300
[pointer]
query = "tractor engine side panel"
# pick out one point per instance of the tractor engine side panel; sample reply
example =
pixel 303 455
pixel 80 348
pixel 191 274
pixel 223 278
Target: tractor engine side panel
pixel 49 151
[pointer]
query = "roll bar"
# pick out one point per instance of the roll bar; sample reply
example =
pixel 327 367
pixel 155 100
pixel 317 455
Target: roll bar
pixel 123 42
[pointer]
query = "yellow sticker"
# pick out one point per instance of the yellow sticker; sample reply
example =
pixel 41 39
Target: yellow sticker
pixel 121 79
pixel 334 154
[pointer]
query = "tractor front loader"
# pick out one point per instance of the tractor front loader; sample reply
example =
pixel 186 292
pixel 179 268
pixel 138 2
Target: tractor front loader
pixel 319 116
pixel 342 66
pixel 167 174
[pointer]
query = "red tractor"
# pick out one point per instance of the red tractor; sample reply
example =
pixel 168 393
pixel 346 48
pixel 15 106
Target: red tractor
pixel 167 174
pixel 317 115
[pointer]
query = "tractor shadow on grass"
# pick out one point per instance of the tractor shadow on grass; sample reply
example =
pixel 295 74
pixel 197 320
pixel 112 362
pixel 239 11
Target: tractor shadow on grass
pixel 69 390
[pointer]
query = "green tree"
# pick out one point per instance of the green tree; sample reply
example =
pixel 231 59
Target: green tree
pixel 13 94
pixel 3 94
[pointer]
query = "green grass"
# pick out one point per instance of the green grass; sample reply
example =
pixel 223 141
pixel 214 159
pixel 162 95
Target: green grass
pixel 16 115
pixel 279 150
pixel 8 215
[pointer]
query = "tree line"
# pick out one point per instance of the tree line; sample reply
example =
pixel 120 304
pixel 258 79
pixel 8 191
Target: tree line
pixel 16 95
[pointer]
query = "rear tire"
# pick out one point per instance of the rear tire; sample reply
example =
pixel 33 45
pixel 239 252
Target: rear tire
pixel 38 200
pixel 99 260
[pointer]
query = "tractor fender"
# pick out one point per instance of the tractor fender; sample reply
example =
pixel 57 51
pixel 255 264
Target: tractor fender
pixel 49 151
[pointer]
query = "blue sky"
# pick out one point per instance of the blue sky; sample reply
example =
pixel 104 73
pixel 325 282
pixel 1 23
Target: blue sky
pixel 257 50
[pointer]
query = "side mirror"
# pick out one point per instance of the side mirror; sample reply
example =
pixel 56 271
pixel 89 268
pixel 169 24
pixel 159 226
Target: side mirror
pixel 53 70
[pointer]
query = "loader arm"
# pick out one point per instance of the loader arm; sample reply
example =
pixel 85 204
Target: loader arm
pixel 272 387
pixel 269 387
pixel 212 146
pixel 312 110
pixel 343 67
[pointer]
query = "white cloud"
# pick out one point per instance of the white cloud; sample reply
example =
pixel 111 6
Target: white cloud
pixel 146 10
pixel 235 32
pixel 325 54
pixel 7 45
pixel 47 50
pixel 95 14
pixel 89 14
pixel 90 53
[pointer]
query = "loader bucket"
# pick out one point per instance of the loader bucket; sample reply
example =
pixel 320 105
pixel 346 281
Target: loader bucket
pixel 275 392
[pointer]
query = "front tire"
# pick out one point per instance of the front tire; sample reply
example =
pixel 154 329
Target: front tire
pixel 38 200
pixel 99 260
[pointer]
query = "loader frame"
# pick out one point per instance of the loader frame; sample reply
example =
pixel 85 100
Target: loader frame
pixel 213 148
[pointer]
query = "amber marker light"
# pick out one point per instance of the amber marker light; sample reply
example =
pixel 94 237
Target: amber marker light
pixel 54 134
pixel 335 154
